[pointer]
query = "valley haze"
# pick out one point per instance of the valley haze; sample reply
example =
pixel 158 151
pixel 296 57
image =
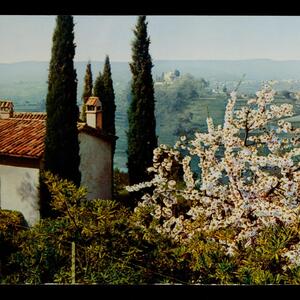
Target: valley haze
pixel 255 69
pixel 25 82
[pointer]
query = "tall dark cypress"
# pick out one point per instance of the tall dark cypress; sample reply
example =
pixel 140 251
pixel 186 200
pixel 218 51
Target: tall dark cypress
pixel 141 114
pixel 87 89
pixel 98 89
pixel 61 142
pixel 108 102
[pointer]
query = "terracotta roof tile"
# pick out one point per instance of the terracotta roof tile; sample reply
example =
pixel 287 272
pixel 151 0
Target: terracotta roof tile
pixel 30 115
pixel 83 127
pixel 93 101
pixel 22 137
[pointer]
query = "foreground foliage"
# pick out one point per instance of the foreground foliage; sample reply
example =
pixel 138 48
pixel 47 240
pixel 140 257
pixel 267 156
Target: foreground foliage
pixel 11 224
pixel 99 229
pixel 234 222
pixel 110 248
pixel 116 246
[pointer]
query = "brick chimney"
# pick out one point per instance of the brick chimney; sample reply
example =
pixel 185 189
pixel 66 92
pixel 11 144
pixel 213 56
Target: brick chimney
pixel 6 109
pixel 94 112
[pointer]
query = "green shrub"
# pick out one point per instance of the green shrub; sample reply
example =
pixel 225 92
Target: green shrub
pixel 11 223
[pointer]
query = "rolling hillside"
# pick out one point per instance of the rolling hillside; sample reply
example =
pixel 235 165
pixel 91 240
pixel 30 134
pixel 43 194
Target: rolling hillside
pixel 26 84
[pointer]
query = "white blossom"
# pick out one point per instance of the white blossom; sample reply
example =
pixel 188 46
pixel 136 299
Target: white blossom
pixel 241 187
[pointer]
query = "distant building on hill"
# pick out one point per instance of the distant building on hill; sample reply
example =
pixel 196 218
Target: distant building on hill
pixel 168 77
pixel 22 137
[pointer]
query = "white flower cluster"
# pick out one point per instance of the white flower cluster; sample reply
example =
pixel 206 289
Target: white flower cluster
pixel 249 178
pixel 293 255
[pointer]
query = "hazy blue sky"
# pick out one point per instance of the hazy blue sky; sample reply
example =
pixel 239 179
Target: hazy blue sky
pixel 25 38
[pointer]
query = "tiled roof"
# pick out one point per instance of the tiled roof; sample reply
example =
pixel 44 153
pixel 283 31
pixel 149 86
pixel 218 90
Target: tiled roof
pixel 23 135
pixel 30 115
pixel 83 127
pixel 22 138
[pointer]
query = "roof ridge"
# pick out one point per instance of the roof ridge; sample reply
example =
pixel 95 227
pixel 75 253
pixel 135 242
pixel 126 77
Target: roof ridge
pixel 35 116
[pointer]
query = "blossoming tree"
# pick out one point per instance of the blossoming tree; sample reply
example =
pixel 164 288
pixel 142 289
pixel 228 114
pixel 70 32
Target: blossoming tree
pixel 249 178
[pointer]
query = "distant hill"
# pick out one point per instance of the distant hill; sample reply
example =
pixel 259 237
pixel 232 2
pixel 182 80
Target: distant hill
pixel 27 81
pixel 38 71
pixel 26 84
pixel 255 69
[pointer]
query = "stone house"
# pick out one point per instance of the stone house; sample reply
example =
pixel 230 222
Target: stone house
pixel 21 152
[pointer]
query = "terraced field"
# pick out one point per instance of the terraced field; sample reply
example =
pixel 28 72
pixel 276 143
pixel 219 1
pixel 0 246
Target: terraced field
pixel 197 111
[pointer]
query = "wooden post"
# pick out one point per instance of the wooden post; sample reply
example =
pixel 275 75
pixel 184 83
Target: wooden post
pixel 73 263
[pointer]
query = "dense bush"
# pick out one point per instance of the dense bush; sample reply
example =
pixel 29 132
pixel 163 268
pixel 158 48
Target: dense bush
pixel 11 223
pixel 99 229
pixel 235 221
pixel 110 248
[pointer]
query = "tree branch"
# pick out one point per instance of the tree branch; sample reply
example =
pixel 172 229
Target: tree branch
pixel 246 129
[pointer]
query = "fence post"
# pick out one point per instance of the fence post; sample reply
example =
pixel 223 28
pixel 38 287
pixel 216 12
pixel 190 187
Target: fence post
pixel 73 263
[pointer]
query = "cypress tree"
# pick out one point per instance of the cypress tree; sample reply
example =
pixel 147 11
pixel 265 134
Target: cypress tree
pixel 141 113
pixel 108 102
pixel 98 90
pixel 61 142
pixel 87 89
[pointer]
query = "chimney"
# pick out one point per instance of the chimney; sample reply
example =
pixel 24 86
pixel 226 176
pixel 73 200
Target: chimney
pixel 6 109
pixel 94 112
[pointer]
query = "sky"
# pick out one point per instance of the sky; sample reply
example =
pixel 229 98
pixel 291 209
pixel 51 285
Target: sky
pixel 29 38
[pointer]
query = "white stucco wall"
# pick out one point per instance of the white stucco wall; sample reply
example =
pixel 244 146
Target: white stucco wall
pixel 19 185
pixel 91 119
pixel 95 166
pixel 19 191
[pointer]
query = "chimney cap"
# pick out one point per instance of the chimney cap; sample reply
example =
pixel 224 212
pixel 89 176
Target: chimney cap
pixel 6 104
pixel 94 101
